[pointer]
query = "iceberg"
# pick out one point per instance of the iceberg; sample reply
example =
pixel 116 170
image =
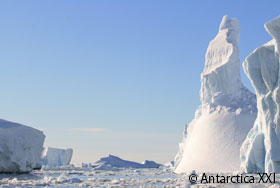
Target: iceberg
pixel 20 147
pixel 151 164
pixel 113 162
pixel 53 157
pixel 212 140
pixel 260 152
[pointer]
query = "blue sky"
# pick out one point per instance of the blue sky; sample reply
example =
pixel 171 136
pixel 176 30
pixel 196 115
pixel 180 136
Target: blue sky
pixel 118 77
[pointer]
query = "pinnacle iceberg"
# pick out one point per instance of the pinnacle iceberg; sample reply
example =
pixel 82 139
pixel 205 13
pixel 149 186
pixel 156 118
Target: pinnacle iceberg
pixel 221 74
pixel 260 152
pixel 211 142
pixel 220 79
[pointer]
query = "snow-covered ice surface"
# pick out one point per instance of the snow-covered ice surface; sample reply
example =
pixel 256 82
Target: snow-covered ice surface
pixel 88 177
pixel 20 147
pixel 56 157
pixel 261 150
pixel 211 142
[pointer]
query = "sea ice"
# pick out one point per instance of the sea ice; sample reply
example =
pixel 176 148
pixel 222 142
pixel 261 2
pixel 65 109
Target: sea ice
pixel 211 142
pixel 20 147
pixel 260 151
pixel 82 177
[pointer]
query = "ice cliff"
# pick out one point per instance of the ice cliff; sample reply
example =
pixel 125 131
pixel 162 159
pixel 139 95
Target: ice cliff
pixel 53 157
pixel 20 147
pixel 211 142
pixel 260 151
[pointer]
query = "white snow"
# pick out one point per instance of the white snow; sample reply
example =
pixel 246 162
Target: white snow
pixel 211 142
pixel 53 157
pixel 20 147
pixel 113 163
pixel 261 150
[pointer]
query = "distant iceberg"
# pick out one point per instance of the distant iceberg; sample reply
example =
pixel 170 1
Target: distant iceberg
pixel 20 147
pixel 211 142
pixel 113 162
pixel 53 157
pixel 260 151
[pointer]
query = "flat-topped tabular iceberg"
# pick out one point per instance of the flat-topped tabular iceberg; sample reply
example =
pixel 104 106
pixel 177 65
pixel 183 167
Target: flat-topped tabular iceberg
pixel 114 162
pixel 20 147
pixel 260 151
pixel 211 142
pixel 53 157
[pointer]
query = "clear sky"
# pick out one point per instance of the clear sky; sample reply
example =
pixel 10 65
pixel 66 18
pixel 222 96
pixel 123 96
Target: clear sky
pixel 113 76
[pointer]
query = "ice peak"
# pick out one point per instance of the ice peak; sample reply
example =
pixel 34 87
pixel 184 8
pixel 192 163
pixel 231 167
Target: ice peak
pixel 221 73
pixel 228 23
pixel 112 157
pixel 273 28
